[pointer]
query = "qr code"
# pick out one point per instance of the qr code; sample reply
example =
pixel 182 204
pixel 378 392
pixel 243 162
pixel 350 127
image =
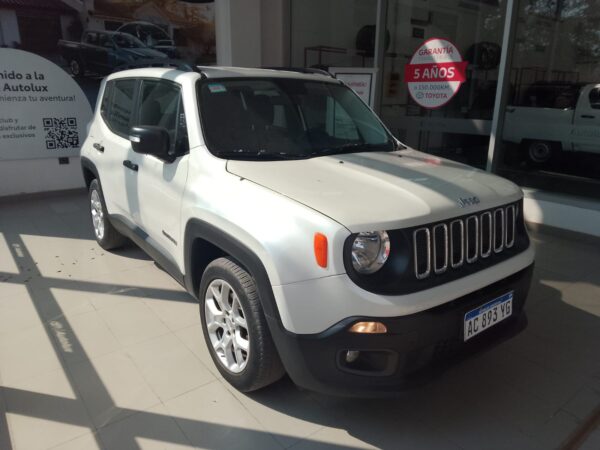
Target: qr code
pixel 61 132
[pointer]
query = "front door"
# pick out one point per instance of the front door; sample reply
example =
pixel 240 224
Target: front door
pixel 160 183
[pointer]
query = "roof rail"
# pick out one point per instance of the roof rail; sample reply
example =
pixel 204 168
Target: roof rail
pixel 303 70
pixel 177 64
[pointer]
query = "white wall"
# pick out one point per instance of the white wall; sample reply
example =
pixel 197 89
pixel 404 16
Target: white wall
pixel 561 211
pixel 39 175
pixel 9 28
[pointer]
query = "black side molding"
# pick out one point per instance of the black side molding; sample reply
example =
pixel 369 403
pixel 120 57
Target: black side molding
pixel 197 229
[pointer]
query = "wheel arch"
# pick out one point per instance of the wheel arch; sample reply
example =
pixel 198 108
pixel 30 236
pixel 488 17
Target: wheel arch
pixel 89 171
pixel 203 243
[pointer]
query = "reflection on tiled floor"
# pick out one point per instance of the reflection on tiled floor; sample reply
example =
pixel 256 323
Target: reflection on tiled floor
pixel 104 350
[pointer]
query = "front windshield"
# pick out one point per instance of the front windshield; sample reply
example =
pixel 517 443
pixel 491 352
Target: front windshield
pixel 123 40
pixel 282 118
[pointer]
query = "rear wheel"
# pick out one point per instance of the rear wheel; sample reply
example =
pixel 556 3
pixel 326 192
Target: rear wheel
pixel 106 235
pixel 235 328
pixel 541 152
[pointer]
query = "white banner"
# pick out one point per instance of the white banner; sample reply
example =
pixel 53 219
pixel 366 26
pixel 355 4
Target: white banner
pixel 43 111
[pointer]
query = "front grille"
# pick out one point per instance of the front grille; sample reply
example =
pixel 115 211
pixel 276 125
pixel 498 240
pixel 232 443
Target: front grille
pixel 449 245
pixel 435 253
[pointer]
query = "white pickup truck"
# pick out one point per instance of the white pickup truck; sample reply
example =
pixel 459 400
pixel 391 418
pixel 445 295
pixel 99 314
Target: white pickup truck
pixel 569 121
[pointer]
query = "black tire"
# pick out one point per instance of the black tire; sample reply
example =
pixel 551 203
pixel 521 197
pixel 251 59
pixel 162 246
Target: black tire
pixel 76 68
pixel 541 153
pixel 110 238
pixel 263 365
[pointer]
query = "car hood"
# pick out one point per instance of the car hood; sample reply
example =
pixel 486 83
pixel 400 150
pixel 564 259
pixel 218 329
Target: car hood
pixel 143 52
pixel 382 190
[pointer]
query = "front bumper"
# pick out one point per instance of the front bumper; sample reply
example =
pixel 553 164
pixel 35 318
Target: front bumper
pixel 416 345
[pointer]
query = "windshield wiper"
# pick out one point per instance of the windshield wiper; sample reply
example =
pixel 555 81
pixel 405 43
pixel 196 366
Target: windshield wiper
pixel 352 148
pixel 261 155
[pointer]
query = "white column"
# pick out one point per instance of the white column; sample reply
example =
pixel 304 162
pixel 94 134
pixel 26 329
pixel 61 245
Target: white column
pixel 238 32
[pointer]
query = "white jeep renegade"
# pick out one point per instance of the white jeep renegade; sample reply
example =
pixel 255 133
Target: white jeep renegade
pixel 315 242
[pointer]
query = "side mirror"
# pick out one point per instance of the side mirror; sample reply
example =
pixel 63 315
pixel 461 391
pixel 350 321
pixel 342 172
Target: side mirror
pixel 150 140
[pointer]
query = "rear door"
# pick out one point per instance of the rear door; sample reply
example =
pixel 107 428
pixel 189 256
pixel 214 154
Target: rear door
pixel 119 182
pixel 160 183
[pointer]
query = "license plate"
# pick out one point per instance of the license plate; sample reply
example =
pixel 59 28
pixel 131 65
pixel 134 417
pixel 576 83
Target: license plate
pixel 488 315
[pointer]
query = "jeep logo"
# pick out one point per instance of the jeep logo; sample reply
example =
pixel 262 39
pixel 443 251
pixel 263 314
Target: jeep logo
pixel 468 201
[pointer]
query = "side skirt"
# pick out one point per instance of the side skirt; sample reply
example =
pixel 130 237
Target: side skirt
pixel 142 240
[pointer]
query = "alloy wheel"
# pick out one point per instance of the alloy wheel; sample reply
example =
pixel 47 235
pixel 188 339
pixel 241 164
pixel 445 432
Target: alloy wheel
pixel 226 325
pixel 97 214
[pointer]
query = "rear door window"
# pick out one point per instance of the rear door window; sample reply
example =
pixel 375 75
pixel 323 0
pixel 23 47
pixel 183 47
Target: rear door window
pixel 121 106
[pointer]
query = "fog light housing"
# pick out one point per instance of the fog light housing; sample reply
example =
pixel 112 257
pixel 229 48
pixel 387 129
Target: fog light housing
pixel 368 328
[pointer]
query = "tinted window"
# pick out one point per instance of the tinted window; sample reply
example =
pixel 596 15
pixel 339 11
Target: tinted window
pixel 121 105
pixel 287 118
pixel 160 105
pixel 595 98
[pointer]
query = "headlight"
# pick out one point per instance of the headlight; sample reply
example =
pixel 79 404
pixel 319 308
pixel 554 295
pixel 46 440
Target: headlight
pixel 370 251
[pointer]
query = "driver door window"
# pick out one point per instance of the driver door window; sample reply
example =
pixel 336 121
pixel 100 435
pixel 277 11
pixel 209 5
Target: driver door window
pixel 160 105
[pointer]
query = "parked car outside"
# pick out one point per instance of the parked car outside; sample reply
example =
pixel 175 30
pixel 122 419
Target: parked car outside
pixel 151 35
pixel 100 52
pixel 568 120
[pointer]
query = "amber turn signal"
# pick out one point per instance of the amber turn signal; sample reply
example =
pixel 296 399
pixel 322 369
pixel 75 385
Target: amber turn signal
pixel 368 328
pixel 320 243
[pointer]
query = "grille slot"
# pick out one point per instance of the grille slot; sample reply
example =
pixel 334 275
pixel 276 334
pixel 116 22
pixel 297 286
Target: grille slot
pixel 443 246
pixel 472 249
pixel 498 230
pixel 486 234
pixel 440 248
pixel 457 243
pixel 422 249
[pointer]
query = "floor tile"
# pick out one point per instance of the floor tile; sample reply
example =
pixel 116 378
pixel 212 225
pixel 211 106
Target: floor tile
pixel 331 439
pixel 211 417
pixel 133 322
pixel 284 407
pixel 112 388
pixel 43 411
pixel 178 311
pixel 151 429
pixel 168 366
pixel 193 338
pixel 83 337
pixel 27 353
pixel 88 441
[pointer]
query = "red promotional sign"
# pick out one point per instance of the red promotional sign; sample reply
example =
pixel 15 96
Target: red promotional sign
pixel 435 73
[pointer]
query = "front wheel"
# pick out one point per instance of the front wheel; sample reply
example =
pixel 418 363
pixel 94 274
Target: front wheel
pixel 235 328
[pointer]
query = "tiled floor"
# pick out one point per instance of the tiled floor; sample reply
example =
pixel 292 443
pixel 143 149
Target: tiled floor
pixel 104 350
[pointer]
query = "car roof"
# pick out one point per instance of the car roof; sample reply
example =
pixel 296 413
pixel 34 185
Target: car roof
pixel 111 33
pixel 223 72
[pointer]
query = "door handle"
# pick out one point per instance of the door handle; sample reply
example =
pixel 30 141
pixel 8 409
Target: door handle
pixel 130 165
pixel 587 116
pixel 99 147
